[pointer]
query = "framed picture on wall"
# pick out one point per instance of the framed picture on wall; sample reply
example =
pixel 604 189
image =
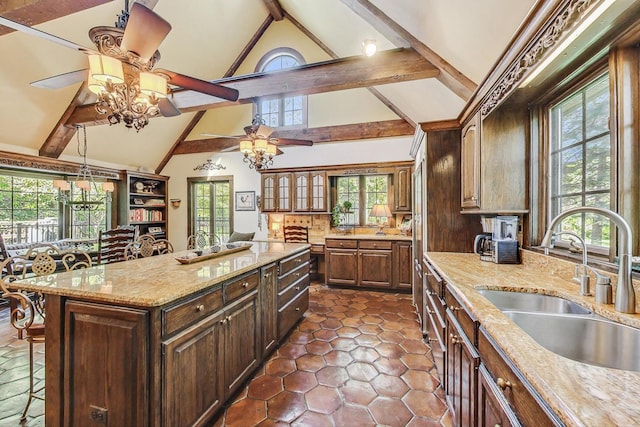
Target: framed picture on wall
pixel 245 200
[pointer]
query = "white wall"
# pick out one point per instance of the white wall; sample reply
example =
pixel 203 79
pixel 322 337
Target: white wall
pixel 180 167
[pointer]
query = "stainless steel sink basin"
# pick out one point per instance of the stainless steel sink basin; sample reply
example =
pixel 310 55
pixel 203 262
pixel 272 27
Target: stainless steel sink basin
pixel 591 340
pixel 522 301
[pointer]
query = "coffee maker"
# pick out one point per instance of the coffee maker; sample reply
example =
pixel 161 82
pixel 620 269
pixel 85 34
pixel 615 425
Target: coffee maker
pixel 483 246
pixel 498 243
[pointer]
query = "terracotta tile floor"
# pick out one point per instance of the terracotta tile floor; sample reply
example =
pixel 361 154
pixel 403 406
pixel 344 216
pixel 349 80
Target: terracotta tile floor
pixel 356 359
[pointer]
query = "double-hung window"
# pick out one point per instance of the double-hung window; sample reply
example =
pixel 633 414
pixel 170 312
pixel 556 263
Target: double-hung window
pixel 210 207
pixel 363 191
pixel 580 160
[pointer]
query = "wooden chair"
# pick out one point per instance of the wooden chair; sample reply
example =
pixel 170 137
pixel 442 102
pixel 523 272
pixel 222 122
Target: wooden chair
pixel 145 246
pixel 296 234
pixel 112 242
pixel 27 313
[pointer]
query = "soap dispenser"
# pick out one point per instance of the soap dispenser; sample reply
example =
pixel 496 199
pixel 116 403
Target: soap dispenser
pixel 603 290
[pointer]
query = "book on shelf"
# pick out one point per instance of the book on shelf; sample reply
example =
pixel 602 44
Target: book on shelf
pixel 145 215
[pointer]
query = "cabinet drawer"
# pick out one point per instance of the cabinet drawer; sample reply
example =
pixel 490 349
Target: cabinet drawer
pixel 435 284
pixel 292 312
pixel 376 244
pixel 468 324
pixel 286 265
pixel 294 289
pixel 526 403
pixel 293 276
pixel 240 286
pixel 185 313
pixel 341 244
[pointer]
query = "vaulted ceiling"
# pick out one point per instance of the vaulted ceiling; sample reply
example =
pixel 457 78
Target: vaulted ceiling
pixel 432 55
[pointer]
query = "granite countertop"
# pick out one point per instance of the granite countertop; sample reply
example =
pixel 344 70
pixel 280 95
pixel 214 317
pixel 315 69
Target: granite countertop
pixel 396 237
pixel 579 393
pixel 157 280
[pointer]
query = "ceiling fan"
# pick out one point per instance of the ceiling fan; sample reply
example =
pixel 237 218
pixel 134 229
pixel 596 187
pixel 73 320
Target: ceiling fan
pixel 258 145
pixel 134 49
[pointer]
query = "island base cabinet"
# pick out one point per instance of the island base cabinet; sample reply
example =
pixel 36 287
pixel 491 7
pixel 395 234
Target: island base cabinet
pixel 269 306
pixel 193 364
pixel 95 336
pixel 289 315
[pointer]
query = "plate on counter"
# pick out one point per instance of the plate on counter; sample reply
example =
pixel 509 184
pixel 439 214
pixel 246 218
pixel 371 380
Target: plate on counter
pixel 215 251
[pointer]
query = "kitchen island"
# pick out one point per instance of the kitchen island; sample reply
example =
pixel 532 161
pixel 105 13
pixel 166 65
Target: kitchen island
pixel 570 392
pixel 153 342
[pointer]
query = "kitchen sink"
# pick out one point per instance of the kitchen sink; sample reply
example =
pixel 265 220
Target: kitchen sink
pixel 586 339
pixel 524 301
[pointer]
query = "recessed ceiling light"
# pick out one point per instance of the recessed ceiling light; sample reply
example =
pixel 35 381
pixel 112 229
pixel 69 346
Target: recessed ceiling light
pixel 369 47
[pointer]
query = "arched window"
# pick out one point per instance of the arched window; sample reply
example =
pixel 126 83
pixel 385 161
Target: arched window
pixel 279 111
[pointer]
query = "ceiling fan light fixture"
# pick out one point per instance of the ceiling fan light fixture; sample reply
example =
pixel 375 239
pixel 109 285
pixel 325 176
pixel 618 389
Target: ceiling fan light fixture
pixel 260 145
pixel 271 150
pixel 246 147
pixel 105 68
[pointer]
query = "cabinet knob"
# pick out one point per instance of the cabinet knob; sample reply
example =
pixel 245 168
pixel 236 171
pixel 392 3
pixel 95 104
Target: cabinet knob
pixel 452 308
pixel 297 288
pixel 228 318
pixel 503 384
pixel 267 275
pixel 297 308
pixel 431 312
pixel 432 339
pixel 297 274
pixel 200 307
pixel 341 244
pixel 223 321
pixel 375 245
pixel 245 285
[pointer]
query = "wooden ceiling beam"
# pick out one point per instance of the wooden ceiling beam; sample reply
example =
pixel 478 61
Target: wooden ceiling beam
pixel 449 76
pixel 34 12
pixel 230 72
pixel 383 129
pixel 275 9
pixel 62 133
pixel 341 74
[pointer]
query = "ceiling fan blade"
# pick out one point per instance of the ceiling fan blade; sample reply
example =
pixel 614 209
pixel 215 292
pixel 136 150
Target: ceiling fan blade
pixel 290 141
pixel 168 108
pixel 225 150
pixel 279 151
pixel 43 35
pixel 201 86
pixel 216 135
pixel 61 80
pixel 144 32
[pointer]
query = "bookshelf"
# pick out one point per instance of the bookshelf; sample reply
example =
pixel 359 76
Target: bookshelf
pixel 143 203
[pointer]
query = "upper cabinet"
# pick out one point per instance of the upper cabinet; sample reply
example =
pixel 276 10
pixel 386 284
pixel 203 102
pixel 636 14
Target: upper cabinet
pixel 493 164
pixel 276 192
pixel 310 191
pixel 470 146
pixel 143 203
pixel 402 189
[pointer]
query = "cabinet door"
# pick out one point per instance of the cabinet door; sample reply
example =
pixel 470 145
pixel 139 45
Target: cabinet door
pixel 241 341
pixel 301 192
pixel 115 340
pixel 375 268
pixel 402 189
pixel 470 180
pixel 493 408
pixel 403 256
pixel 461 366
pixel 318 191
pixel 284 192
pixel 192 372
pixel 342 267
pixel 269 307
pixel 268 199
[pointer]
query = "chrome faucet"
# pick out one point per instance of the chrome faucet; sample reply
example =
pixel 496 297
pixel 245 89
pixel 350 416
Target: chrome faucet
pixel 581 274
pixel 625 300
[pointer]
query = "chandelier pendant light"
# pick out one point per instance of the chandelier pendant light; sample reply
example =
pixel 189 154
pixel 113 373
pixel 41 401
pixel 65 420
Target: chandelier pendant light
pixel 89 195
pixel 258 149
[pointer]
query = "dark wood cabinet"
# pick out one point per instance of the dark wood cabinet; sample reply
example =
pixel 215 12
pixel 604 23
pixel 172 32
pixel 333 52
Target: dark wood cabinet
pixel 276 192
pixel 269 193
pixel 470 177
pixel 369 263
pixel 402 189
pixel 293 291
pixel 143 201
pixel 96 331
pixel 241 341
pixel 269 305
pixel 342 265
pixel 193 365
pixel 493 408
pixel 310 191
pixel 403 262
pixel 460 373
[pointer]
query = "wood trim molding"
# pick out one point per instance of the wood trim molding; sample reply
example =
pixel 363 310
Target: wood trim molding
pixel 45 164
pixel 417 140
pixel 555 29
pixel 348 169
pixel 275 9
